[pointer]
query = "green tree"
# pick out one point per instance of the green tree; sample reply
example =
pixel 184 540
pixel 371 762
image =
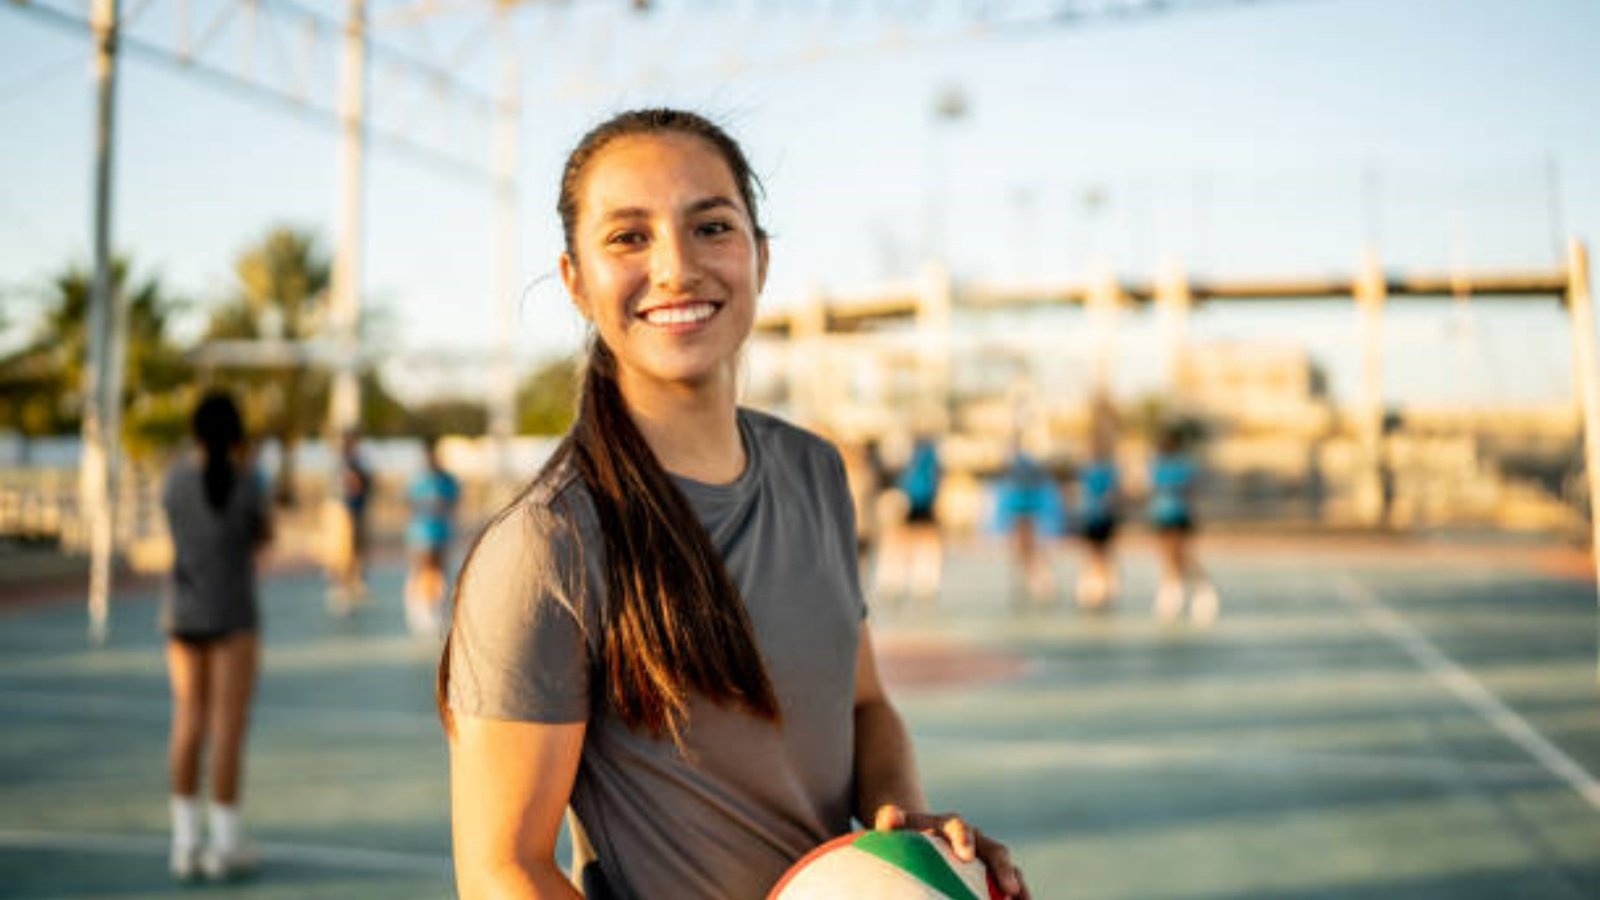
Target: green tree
pixel 282 294
pixel 382 414
pixel 41 384
pixel 1155 417
pixel 451 415
pixel 547 399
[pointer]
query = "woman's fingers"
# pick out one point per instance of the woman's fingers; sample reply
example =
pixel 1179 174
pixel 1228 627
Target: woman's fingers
pixel 997 859
pixel 962 837
pixel 888 818
pixel 965 841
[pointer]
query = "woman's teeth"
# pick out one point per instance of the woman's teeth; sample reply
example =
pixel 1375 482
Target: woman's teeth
pixel 680 315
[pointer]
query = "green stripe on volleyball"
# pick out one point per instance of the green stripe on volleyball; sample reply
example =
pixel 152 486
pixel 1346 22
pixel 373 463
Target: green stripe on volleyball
pixel 884 865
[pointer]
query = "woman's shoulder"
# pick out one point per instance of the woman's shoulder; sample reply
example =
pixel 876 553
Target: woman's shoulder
pixel 788 440
pixel 558 490
pixel 533 540
pixel 181 471
pixel 182 465
pixel 553 508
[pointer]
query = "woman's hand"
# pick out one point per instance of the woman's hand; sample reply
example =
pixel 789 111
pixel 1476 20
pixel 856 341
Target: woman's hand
pixel 967 842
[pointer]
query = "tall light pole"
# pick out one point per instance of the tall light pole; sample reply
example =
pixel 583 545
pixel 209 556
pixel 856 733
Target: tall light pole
pixel 102 376
pixel 937 296
pixel 1586 362
pixel 507 117
pixel 344 413
pixel 949 107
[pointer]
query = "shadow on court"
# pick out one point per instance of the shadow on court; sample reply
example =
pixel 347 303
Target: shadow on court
pixel 1357 725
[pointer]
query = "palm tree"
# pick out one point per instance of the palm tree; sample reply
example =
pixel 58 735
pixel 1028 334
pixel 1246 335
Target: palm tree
pixel 547 399
pixel 282 295
pixel 41 384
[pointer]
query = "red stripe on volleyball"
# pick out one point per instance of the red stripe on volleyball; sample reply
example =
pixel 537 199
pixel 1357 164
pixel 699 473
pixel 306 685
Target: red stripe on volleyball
pixel 810 858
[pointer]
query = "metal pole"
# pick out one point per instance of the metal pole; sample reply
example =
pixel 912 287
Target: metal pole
pixel 1552 187
pixel 503 399
pixel 1175 300
pixel 102 381
pixel 949 106
pixel 934 318
pixel 807 344
pixel 1586 359
pixel 344 412
pixel 1104 302
pixel 1371 294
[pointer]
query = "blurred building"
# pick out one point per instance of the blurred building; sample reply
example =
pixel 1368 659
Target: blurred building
pixel 1277 449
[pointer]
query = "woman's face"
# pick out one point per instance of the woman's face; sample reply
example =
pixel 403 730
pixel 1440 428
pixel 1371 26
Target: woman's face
pixel 665 260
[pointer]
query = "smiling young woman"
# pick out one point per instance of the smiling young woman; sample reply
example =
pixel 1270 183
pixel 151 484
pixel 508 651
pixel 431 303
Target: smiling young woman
pixel 672 262
pixel 665 633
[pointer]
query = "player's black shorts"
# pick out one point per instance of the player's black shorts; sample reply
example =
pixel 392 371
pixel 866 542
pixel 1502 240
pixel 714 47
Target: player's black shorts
pixel 204 638
pixel 1100 529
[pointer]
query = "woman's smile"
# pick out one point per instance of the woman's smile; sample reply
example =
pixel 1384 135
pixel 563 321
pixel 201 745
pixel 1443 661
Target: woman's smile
pixel 667 262
pixel 680 318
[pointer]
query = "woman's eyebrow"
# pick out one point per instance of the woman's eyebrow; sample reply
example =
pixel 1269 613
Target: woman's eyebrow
pixel 628 212
pixel 716 202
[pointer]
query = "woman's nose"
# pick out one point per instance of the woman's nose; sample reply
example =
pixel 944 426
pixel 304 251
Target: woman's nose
pixel 672 263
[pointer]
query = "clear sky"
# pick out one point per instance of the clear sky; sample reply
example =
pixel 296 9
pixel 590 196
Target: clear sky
pixel 1234 140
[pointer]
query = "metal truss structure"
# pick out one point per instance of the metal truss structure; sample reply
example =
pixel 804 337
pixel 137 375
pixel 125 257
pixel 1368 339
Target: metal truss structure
pixel 414 75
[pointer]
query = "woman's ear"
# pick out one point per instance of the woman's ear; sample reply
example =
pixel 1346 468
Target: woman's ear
pixel 761 264
pixel 573 279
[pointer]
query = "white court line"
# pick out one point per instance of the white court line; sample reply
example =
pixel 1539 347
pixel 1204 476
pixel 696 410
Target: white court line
pixel 150 709
pixel 1470 690
pixel 1037 752
pixel 384 861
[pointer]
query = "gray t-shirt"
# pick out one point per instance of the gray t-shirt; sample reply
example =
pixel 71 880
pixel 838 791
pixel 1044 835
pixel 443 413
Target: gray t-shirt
pixel 748 798
pixel 213 588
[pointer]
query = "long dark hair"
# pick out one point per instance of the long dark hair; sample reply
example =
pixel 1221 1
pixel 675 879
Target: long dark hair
pixel 218 428
pixel 674 623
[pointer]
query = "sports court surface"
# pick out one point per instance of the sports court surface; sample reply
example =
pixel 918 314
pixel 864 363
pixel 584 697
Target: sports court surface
pixel 1416 720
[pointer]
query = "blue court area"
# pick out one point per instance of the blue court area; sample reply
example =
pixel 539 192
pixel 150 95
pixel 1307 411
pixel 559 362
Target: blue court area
pixel 1418 722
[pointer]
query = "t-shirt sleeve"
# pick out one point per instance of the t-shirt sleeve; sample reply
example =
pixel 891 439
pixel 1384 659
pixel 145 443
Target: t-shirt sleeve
pixel 517 646
pixel 837 493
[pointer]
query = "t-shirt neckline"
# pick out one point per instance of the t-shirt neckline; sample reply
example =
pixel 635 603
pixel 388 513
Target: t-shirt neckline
pixel 740 485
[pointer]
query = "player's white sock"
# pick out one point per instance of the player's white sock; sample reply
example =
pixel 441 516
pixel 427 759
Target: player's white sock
pixel 185 858
pixel 1091 591
pixel 421 616
pixel 437 619
pixel 1206 605
pixel 225 826
pixel 414 607
pixel 1169 601
pixel 185 820
pixel 226 853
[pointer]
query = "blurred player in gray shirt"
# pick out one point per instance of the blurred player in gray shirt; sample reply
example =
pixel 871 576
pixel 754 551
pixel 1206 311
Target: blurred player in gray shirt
pixel 217 514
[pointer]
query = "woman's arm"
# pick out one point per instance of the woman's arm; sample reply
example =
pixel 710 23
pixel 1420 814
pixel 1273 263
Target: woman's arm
pixel 888 791
pixel 509 786
pixel 265 528
pixel 885 767
pixel 266 532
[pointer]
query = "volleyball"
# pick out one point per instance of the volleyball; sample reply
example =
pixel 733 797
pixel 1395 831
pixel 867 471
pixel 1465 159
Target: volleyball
pixel 885 865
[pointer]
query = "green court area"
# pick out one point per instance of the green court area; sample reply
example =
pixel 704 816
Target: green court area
pixel 1417 721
